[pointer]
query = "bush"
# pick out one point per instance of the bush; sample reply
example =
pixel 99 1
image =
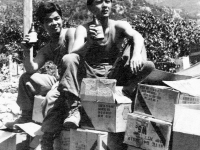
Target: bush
pixel 166 37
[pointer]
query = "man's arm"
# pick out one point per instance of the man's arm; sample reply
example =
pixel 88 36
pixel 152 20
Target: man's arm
pixel 80 46
pixel 70 36
pixel 125 29
pixel 33 64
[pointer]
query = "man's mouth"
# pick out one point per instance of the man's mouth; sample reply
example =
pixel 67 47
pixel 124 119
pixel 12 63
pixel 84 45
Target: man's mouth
pixel 104 11
pixel 55 28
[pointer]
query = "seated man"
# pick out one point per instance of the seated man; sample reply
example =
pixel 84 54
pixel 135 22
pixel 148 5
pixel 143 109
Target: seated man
pixel 104 58
pixel 32 83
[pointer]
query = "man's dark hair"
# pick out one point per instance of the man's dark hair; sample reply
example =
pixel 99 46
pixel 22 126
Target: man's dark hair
pixel 46 8
pixel 89 2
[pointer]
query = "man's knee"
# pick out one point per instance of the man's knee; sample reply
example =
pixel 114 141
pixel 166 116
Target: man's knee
pixel 50 97
pixel 25 76
pixel 148 66
pixel 70 59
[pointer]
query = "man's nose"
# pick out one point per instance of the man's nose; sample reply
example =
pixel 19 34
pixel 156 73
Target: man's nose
pixel 104 4
pixel 54 22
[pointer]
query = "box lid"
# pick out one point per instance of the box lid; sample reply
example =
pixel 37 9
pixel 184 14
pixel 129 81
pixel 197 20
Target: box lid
pixel 155 86
pixel 31 128
pixel 5 135
pixel 157 76
pixel 186 119
pixel 90 131
pixel 150 119
pixel 119 96
pixel 102 90
pixel 189 86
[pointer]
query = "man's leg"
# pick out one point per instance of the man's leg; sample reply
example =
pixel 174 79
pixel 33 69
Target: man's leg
pixel 29 86
pixel 132 80
pixel 53 112
pixel 67 101
pixel 73 71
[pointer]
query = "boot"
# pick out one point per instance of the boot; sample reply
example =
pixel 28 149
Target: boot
pixel 47 141
pixel 25 117
pixel 73 119
pixel 72 106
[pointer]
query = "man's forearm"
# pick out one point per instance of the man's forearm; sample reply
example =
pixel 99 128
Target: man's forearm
pixel 138 44
pixel 82 50
pixel 28 62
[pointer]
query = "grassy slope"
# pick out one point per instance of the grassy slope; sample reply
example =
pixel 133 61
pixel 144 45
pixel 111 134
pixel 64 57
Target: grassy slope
pixel 191 6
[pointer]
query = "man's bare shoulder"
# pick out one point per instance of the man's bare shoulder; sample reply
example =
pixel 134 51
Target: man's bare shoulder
pixel 83 26
pixel 121 24
pixel 70 32
pixel 81 30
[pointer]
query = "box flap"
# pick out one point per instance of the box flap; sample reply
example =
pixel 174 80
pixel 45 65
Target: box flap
pixel 119 96
pixel 31 128
pixel 186 119
pixel 5 135
pixel 157 76
pixel 155 86
pixel 88 89
pixel 90 131
pixel 105 90
pixel 189 86
pixel 98 90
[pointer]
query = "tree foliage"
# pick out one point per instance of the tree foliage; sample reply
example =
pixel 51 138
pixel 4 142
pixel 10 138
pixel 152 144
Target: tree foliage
pixel 166 37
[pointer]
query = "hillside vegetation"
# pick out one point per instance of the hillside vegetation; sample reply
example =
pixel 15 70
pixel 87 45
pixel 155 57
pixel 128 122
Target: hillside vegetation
pixel 166 37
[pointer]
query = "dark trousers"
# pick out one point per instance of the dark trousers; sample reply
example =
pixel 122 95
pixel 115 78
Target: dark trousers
pixel 73 70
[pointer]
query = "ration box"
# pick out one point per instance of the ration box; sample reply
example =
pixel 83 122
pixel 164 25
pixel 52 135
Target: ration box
pixel 96 140
pixel 186 133
pixel 7 140
pixel 105 107
pixel 159 101
pixel 147 133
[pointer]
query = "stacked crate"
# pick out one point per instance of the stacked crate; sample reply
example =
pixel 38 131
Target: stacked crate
pixel 109 123
pixel 105 111
pixel 150 125
pixel 103 120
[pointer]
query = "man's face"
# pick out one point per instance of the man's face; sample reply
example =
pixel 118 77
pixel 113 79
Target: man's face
pixel 53 23
pixel 101 8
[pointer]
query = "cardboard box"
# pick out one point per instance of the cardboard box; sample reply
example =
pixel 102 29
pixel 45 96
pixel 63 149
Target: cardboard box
pixel 159 101
pixel 186 132
pixel 7 140
pixel 37 109
pixel 96 140
pixel 133 148
pixel 64 140
pixel 100 90
pixel 104 112
pixel 147 133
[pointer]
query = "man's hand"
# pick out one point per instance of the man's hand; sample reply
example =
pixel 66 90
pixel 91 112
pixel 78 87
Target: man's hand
pixel 94 33
pixel 25 43
pixel 136 63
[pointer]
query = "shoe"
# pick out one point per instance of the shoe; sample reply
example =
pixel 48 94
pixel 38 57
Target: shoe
pixel 20 120
pixel 129 90
pixel 73 119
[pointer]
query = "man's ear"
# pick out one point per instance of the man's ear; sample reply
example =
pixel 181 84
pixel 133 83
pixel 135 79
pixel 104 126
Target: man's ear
pixel 44 27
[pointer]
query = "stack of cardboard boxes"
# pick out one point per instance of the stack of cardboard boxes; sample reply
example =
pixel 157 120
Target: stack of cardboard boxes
pixel 156 109
pixel 104 117
pixel 108 123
